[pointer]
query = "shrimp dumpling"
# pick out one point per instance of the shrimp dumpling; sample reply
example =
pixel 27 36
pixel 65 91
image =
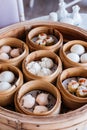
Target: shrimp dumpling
pixel 78 49
pixel 28 101
pixel 72 86
pixel 7 76
pixel 40 109
pixel 42 99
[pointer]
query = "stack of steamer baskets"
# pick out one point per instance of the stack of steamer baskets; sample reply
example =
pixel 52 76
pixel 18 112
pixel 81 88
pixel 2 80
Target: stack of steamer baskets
pixel 42 85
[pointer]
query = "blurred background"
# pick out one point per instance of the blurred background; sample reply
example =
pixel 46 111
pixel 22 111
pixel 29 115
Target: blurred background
pixel 44 7
pixel 13 11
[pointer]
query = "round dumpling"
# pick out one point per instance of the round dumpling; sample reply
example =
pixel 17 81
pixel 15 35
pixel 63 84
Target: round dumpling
pixel 42 36
pixel 84 58
pixel 44 72
pixel 33 67
pixel 4 56
pixel 41 42
pixel 73 57
pixel 78 49
pixel 46 62
pixel 49 40
pixel 72 86
pixel 81 91
pixel 40 109
pixel 7 76
pixel 28 101
pixel 15 52
pixel 29 65
pixel 5 49
pixel 4 86
pixel 42 99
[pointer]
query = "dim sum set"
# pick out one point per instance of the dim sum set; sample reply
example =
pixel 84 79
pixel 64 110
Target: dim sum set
pixel 41 69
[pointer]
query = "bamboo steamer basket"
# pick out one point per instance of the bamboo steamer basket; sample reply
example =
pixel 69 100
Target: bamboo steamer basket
pixel 66 47
pixel 37 55
pixel 69 99
pixel 38 85
pixel 51 31
pixel 6 97
pixel 14 42
pixel 74 120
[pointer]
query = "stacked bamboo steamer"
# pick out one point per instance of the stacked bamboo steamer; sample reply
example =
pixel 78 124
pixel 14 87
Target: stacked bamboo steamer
pixel 48 125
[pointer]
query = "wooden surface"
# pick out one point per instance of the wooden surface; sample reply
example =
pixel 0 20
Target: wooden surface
pixel 44 7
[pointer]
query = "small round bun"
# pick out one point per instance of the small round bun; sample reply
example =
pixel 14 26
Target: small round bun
pixel 84 58
pixel 4 56
pixel 73 57
pixel 4 86
pixel 7 76
pixel 78 49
